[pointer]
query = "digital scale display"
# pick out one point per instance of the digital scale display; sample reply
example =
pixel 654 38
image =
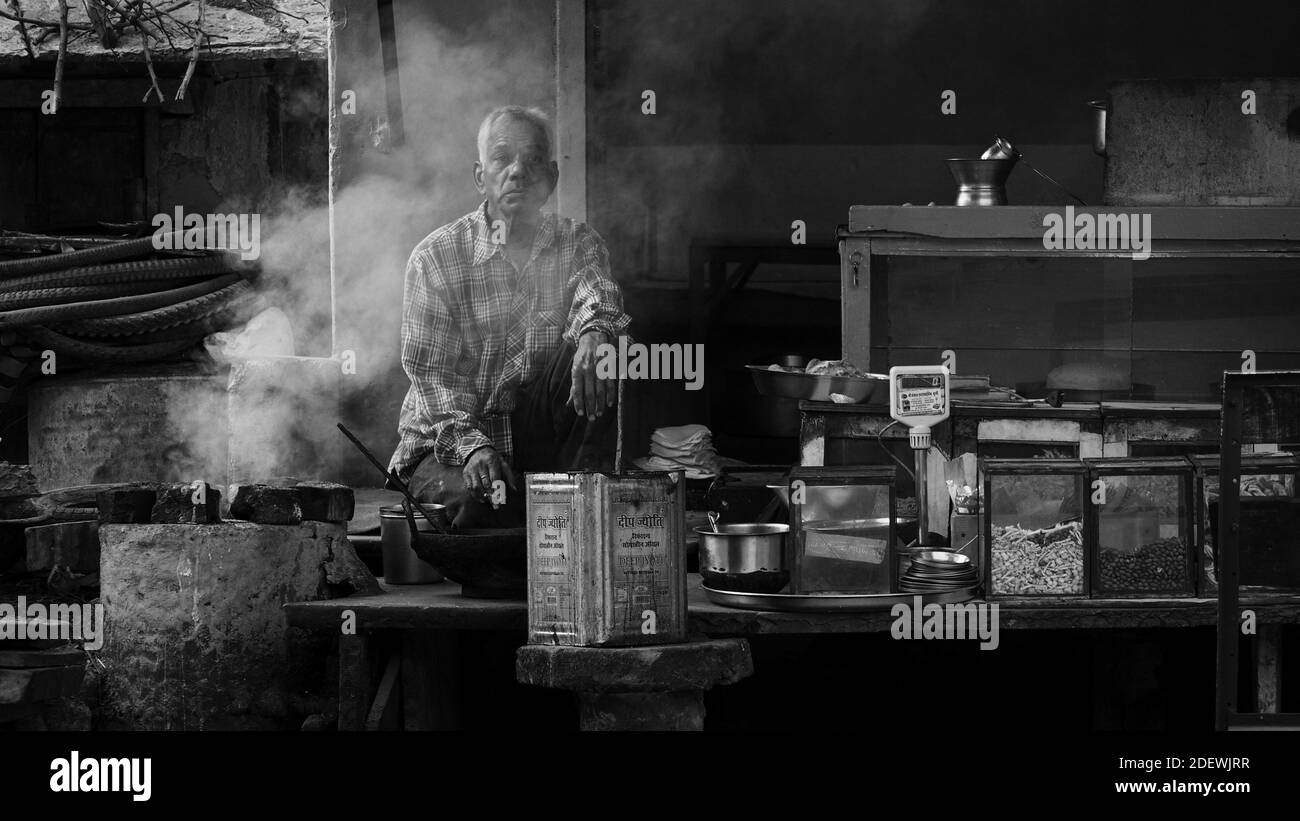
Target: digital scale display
pixel 920 394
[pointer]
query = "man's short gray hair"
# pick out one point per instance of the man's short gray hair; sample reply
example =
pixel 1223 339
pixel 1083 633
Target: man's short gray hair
pixel 531 115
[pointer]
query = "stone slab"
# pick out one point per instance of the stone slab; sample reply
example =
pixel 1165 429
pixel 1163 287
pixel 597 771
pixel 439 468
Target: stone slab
pixel 698 665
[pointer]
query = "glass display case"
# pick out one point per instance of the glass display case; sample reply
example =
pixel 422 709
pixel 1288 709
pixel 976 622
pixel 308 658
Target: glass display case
pixel 1142 518
pixel 844 530
pixel 1034 519
pixel 1270 536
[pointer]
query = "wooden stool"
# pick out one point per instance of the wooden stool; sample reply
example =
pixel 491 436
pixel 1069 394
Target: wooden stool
pixel 637 688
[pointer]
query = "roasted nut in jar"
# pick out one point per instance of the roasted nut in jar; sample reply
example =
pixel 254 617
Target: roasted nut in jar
pixel 1158 566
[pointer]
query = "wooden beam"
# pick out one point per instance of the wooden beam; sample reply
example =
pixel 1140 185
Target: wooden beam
pixel 1026 221
pixel 337 10
pixel 571 107
pixel 855 302
pixel 1268 668
pixel 384 712
pixel 354 680
pixel 392 75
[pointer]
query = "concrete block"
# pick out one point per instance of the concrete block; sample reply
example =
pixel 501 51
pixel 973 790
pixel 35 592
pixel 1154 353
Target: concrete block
pixel 1188 142
pixel 697 665
pixel 176 504
pixel 658 687
pixel 128 505
pixel 265 505
pixel 196 638
pixel 326 501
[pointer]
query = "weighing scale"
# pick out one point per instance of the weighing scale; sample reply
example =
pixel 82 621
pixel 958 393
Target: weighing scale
pixel 919 398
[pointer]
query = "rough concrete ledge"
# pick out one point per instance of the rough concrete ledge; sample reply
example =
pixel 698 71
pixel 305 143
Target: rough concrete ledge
pixel 698 665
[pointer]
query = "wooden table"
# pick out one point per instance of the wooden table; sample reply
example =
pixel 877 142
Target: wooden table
pixel 414 620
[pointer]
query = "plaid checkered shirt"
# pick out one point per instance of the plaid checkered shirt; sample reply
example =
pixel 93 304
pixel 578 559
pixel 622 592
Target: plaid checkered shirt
pixel 474 329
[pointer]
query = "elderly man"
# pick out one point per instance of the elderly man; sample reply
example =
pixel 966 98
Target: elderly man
pixel 503 313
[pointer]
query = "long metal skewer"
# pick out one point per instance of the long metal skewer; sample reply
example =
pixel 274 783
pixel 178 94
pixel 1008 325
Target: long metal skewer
pixel 392 476
pixel 1052 181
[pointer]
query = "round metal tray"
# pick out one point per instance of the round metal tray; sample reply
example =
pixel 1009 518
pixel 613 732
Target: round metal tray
pixel 831 602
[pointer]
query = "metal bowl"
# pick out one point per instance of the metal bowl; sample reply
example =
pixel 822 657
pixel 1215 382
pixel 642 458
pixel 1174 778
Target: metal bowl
pixel 744 558
pixel 818 388
pixel 941 557
pixel 487 564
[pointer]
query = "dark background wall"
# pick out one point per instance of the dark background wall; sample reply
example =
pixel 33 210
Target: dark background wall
pixel 770 112
pixel 796 109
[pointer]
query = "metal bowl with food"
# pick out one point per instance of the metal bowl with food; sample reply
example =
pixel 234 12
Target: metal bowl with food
pixel 487 564
pixel 797 383
pixel 744 558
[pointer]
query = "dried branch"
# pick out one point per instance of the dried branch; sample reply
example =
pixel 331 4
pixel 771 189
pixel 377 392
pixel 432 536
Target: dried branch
pixel 194 58
pixel 63 56
pixel 22 29
pixel 46 24
pixel 109 19
pixel 162 26
pixel 99 18
pixel 153 76
pixel 272 7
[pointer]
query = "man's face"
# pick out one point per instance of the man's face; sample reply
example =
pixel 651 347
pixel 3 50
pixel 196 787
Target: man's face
pixel 514 172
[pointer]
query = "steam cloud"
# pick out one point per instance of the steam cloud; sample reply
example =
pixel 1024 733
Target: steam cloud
pixel 452 73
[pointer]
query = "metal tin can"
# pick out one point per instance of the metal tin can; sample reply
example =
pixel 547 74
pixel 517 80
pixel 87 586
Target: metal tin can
pixel 401 564
pixel 1002 149
pixel 606 558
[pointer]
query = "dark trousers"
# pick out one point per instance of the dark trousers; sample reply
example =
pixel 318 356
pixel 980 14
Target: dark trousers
pixel 548 436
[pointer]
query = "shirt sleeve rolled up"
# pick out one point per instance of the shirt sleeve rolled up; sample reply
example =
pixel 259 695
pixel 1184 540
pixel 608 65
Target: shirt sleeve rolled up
pixel 597 299
pixel 431 349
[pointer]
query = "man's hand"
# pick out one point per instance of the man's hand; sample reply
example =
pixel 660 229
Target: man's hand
pixel 483 469
pixel 590 395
